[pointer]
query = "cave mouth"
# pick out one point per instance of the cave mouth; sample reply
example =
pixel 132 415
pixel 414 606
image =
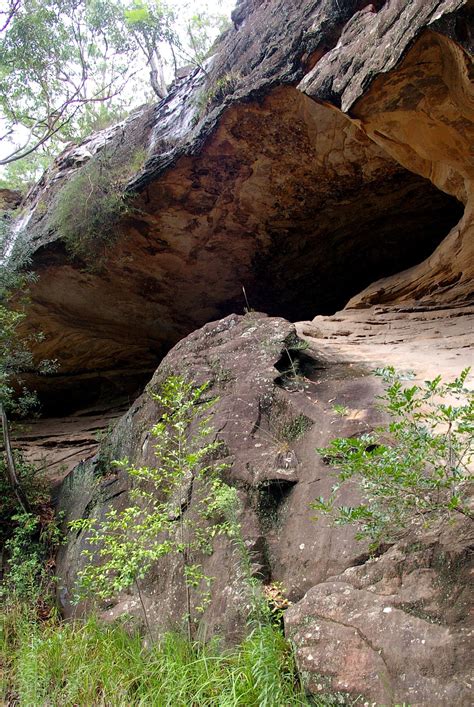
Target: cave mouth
pixel 398 226
pixel 312 265
pixel 289 199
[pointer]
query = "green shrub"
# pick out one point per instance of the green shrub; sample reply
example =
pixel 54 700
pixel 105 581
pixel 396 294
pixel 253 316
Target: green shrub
pixel 26 554
pixel 88 209
pixel 416 469
pixel 32 484
pixel 127 543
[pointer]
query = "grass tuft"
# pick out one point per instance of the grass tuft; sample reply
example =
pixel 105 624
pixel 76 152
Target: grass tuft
pixel 92 663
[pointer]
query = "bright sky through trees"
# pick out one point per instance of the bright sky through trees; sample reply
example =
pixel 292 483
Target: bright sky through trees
pixel 70 67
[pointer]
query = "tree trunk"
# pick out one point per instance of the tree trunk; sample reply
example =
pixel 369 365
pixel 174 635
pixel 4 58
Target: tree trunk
pixel 157 79
pixel 10 465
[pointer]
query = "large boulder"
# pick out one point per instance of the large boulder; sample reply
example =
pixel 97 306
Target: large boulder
pixel 274 406
pixel 395 630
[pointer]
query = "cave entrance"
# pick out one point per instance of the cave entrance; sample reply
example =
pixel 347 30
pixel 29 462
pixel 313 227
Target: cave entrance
pixel 331 211
pixel 316 264
pixel 288 198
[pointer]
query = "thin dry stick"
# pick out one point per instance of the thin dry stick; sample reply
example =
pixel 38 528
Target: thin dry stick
pixel 188 590
pixel 10 465
pixel 145 615
pixel 246 300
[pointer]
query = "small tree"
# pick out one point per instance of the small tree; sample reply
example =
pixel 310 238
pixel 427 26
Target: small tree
pixel 414 470
pixel 157 525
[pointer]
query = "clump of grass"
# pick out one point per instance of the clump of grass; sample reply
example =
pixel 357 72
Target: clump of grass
pixel 341 410
pixel 88 209
pixel 91 663
pixel 295 428
pixel 217 92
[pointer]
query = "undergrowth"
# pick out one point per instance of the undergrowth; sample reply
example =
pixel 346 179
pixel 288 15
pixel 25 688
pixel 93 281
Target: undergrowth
pixel 91 663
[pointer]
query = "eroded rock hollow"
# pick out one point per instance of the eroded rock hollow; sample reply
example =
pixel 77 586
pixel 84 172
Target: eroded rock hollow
pixel 272 188
pixel 332 172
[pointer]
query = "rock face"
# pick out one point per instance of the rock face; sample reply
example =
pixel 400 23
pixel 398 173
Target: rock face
pixel 301 150
pixel 9 199
pixel 270 422
pixel 396 629
pixel 321 161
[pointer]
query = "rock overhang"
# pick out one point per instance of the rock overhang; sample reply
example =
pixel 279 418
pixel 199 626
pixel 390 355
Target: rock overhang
pixel 270 190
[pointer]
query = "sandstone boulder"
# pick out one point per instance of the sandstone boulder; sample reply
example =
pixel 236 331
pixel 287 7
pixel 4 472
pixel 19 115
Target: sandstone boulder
pixel 396 629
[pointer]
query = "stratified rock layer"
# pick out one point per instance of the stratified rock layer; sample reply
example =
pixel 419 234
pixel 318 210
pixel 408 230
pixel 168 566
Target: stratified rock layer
pixel 255 185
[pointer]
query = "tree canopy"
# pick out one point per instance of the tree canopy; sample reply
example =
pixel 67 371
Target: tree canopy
pixel 68 67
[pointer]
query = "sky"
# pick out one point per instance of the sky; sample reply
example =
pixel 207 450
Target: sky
pixel 225 6
pixel 187 6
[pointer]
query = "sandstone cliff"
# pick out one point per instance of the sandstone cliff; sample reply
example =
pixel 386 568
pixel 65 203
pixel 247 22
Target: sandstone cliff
pixel 322 134
pixel 321 161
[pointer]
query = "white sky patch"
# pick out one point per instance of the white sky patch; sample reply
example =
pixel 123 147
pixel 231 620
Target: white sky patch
pixel 184 10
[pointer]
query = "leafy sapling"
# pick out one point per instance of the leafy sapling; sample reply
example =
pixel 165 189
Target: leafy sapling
pixel 127 543
pixel 413 471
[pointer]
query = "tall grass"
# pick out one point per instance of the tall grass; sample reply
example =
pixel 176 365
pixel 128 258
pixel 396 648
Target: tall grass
pixel 94 664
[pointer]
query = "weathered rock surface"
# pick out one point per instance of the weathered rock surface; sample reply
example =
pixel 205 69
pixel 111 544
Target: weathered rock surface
pixel 421 112
pixel 426 339
pixel 396 629
pixel 58 445
pixel 9 199
pixel 270 422
pixel 256 184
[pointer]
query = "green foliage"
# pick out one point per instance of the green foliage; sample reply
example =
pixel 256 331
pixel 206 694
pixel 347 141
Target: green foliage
pixel 15 345
pixel 25 557
pixel 150 20
pixel 33 486
pixel 32 541
pixel 223 86
pixel 23 174
pixel 65 67
pixel 88 209
pixel 58 58
pixel 216 93
pixel 292 430
pixel 92 663
pixel 414 470
pixel 277 602
pixel 130 541
pixel 200 30
pixel 341 410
